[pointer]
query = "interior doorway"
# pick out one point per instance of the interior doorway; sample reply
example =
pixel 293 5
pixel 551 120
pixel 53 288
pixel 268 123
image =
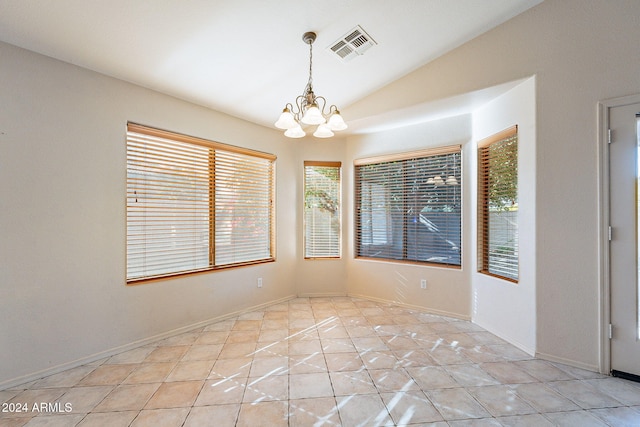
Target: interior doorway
pixel 622 123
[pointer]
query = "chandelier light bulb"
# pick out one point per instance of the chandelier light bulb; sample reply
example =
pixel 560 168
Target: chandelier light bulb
pixel 295 132
pixel 323 131
pixel 336 122
pixel 313 116
pixel 286 120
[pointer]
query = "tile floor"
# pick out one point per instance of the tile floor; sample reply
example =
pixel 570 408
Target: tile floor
pixel 326 361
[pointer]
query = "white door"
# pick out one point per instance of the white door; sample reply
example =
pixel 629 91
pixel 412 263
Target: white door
pixel 624 251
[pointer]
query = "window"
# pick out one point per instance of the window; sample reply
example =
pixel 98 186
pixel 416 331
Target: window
pixel 322 209
pixel 498 205
pixel 408 207
pixel 195 205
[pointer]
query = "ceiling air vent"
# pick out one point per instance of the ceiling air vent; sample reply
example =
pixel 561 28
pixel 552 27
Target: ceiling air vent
pixel 355 43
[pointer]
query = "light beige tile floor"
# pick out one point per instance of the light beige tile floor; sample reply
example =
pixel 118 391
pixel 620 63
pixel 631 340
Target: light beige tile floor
pixel 326 361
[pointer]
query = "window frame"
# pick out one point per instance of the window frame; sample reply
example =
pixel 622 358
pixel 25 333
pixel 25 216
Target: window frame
pixel 267 161
pixel 483 209
pixel 402 157
pixel 338 167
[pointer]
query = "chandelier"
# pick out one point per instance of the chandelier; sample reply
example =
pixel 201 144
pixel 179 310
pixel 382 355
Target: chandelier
pixel 438 180
pixel 309 109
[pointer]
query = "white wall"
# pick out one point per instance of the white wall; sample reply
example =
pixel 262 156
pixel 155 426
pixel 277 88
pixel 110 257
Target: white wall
pixel 505 308
pixel 581 52
pixel 62 245
pixel 448 290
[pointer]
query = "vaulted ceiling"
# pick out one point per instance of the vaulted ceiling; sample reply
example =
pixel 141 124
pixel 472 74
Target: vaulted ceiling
pixel 246 57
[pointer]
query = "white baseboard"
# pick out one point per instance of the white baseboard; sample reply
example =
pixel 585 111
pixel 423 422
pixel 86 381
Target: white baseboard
pixel 412 307
pixel 570 362
pixel 530 351
pixel 321 294
pixel 116 350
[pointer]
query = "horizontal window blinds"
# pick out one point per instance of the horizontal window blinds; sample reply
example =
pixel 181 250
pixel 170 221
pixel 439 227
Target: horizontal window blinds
pixel 498 205
pixel 408 207
pixel 193 205
pixel 243 212
pixel 322 209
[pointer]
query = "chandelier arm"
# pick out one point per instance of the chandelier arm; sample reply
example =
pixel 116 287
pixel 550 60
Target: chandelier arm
pixel 299 108
pixel 324 103
pixel 293 111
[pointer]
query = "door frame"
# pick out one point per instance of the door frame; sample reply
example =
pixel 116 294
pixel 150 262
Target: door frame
pixel 604 254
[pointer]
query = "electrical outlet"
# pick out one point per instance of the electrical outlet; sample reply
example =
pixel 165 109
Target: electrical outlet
pixel 423 283
pixel 259 282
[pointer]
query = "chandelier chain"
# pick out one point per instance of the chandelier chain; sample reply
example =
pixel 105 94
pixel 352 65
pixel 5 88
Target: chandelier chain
pixel 310 82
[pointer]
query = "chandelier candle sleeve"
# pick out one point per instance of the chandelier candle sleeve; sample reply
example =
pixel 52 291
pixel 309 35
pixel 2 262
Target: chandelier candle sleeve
pixel 309 109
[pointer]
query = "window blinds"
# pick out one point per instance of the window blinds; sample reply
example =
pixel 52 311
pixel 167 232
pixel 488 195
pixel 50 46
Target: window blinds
pixel 408 206
pixel 195 205
pixel 243 212
pixel 498 205
pixel 322 209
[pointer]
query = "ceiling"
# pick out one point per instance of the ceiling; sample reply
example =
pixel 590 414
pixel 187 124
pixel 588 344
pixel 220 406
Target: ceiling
pixel 246 57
